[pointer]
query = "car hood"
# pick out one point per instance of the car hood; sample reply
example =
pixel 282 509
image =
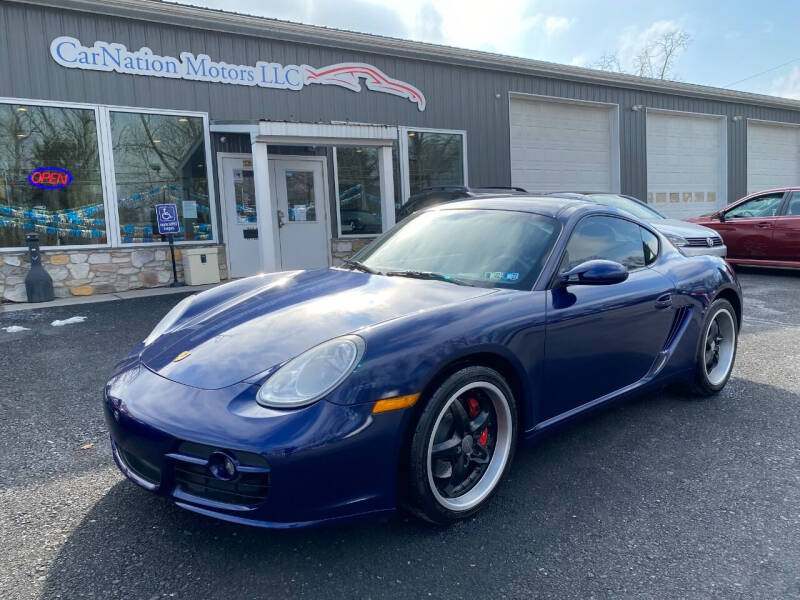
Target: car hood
pixel 683 228
pixel 281 316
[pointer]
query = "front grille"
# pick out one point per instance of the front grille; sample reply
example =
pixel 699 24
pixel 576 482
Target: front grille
pixel 246 490
pixel 192 476
pixel 147 471
pixel 703 241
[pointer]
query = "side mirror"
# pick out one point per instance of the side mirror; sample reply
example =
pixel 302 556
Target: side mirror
pixel 595 272
pixel 721 217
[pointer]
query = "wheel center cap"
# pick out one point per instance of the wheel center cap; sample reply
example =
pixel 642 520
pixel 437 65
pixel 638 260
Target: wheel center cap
pixel 466 444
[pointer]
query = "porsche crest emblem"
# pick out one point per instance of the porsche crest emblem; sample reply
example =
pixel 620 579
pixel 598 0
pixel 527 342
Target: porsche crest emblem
pixel 181 356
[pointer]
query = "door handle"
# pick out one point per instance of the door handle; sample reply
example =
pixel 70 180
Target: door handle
pixel 664 301
pixel 280 219
pixel 764 225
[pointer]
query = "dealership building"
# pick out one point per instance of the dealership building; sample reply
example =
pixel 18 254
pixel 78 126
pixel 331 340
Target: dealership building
pixel 288 146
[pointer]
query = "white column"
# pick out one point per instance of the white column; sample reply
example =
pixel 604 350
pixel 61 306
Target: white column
pixel 387 186
pixel 266 210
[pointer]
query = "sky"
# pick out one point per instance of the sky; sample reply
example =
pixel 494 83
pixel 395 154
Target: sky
pixel 730 41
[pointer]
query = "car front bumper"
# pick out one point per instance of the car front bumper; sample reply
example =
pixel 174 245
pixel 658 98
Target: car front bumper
pixel 324 462
pixel 721 251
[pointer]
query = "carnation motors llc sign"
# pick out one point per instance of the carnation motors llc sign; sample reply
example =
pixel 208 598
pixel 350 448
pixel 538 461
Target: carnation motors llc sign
pixel 104 56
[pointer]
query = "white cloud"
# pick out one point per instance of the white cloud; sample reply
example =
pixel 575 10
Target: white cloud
pixel 506 27
pixel 579 60
pixel 633 38
pixel 787 86
pixel 557 25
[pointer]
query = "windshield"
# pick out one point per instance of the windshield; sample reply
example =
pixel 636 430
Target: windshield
pixel 486 248
pixel 634 207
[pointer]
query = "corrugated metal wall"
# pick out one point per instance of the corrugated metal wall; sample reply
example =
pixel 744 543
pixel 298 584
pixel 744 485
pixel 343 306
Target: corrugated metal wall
pixel 458 97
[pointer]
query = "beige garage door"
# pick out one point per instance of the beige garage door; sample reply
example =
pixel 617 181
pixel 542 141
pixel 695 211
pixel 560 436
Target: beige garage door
pixel 773 156
pixel 686 170
pixel 559 146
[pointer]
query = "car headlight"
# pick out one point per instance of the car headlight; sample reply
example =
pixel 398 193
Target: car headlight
pixel 169 320
pixel 676 240
pixel 309 376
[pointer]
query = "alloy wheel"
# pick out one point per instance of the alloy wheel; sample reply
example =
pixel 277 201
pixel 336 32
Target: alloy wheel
pixel 720 344
pixel 469 445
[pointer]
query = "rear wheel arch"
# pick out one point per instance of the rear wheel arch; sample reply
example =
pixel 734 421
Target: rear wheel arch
pixel 731 296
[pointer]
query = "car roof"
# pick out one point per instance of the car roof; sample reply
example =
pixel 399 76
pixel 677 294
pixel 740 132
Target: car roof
pixel 792 188
pixel 555 207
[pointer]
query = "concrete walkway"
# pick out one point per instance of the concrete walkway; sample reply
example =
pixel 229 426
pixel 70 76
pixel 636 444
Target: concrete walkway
pixel 157 291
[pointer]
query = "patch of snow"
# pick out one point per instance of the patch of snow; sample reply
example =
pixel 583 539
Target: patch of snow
pixel 15 329
pixel 69 321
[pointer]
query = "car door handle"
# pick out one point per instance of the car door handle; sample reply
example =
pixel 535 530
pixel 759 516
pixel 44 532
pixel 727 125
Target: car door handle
pixel 764 225
pixel 664 301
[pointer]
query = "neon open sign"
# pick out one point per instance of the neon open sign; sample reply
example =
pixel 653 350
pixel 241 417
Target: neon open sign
pixel 50 178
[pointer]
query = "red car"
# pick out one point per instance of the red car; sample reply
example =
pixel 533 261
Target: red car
pixel 761 229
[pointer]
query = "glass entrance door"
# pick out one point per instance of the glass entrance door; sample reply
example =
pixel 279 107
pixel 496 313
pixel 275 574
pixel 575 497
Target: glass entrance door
pixel 241 237
pixel 298 187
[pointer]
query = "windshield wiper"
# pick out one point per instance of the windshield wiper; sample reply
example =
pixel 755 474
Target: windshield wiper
pixel 426 275
pixel 359 266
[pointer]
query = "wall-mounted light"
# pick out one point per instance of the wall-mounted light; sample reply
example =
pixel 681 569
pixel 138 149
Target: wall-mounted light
pixel 497 96
pixel 738 118
pixel 637 107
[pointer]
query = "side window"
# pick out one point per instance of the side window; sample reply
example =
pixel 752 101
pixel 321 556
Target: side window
pixel 793 208
pixel 762 206
pixel 650 246
pixel 606 238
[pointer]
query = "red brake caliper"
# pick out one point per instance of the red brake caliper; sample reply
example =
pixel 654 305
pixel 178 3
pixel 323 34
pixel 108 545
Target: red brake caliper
pixel 473 408
pixel 484 437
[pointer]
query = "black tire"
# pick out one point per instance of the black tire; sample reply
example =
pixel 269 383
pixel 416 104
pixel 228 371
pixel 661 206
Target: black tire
pixel 704 384
pixel 495 450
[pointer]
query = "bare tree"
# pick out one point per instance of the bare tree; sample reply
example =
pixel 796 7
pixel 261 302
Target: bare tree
pixel 608 62
pixel 656 58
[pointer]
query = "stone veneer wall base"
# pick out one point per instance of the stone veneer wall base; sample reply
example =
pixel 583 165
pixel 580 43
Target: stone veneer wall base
pixel 344 248
pixel 96 271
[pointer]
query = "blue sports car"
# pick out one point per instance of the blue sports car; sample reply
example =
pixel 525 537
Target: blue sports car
pixel 407 377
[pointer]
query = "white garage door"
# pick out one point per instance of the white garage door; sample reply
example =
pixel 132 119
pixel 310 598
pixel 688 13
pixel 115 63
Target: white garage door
pixel 686 170
pixel 558 146
pixel 773 156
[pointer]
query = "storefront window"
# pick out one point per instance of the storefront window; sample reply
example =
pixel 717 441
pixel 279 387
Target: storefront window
pixel 160 159
pixel 434 159
pixel 359 190
pixel 50 176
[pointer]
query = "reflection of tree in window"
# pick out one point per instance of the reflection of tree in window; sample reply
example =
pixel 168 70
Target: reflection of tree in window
pixel 359 190
pixel 33 137
pixel 160 159
pixel 434 159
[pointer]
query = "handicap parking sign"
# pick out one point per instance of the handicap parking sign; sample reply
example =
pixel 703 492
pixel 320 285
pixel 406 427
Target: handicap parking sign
pixel 167 218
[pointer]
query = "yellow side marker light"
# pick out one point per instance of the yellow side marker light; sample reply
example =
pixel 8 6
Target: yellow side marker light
pixel 388 404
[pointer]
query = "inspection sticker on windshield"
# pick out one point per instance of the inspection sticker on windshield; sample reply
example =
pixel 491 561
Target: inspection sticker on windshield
pixel 501 276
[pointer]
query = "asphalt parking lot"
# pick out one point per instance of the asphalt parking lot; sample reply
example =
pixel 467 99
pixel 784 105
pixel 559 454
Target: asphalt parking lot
pixel 659 497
